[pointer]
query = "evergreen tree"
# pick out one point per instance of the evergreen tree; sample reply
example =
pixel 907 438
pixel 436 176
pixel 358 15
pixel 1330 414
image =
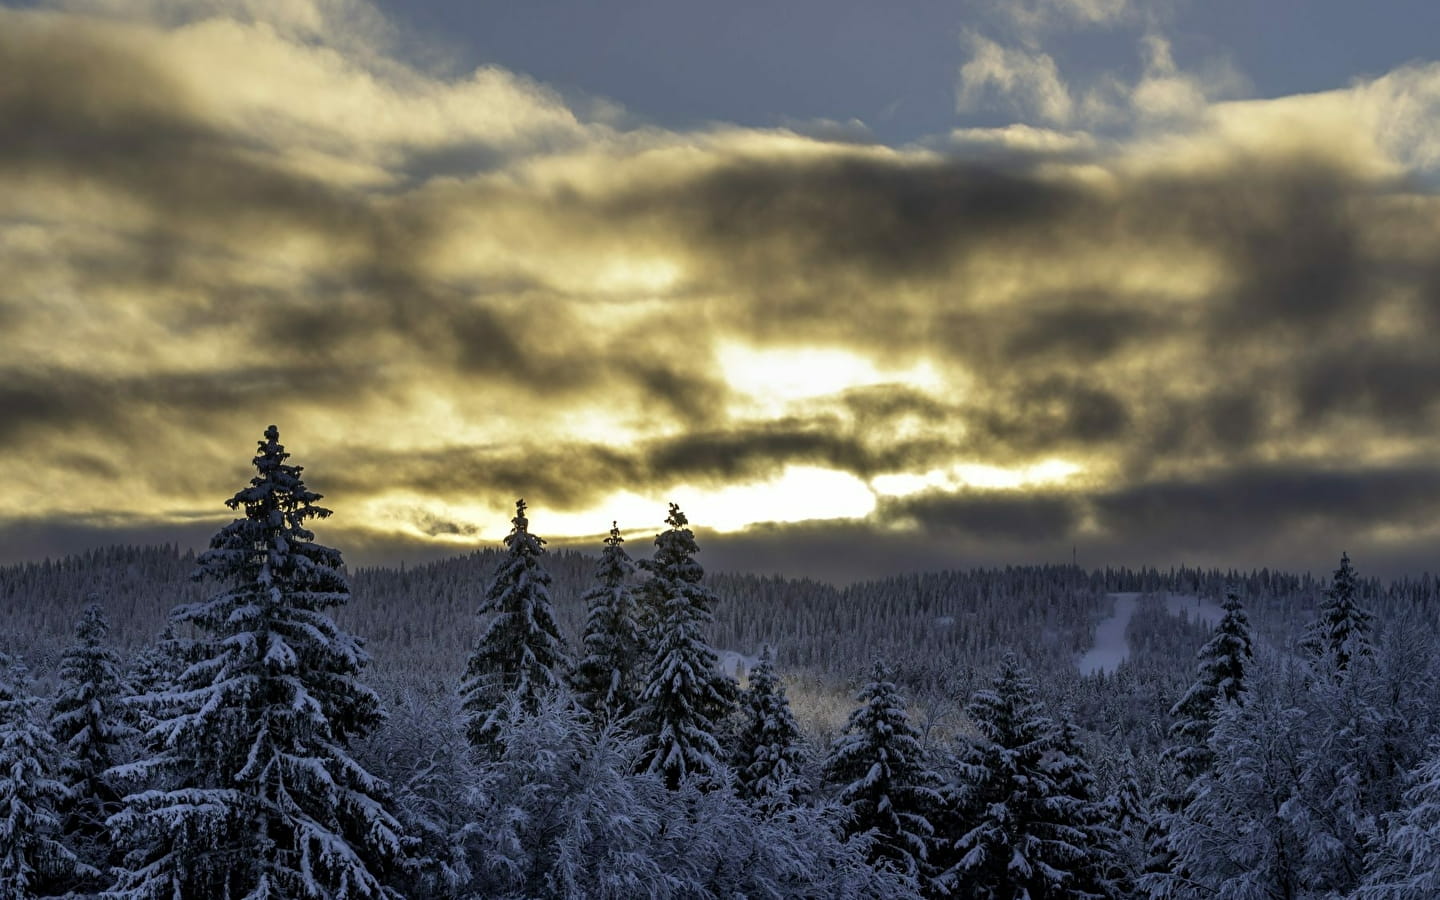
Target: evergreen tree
pixel 1243 831
pixel 606 680
pixel 1407 865
pixel 768 755
pixel 257 794
pixel 155 672
pixel 1012 830
pixel 155 668
pixel 1098 873
pixel 33 860
pixel 90 725
pixel 685 692
pixel 886 786
pixel 1219 678
pixel 521 650
pixel 1130 811
pixel 1341 630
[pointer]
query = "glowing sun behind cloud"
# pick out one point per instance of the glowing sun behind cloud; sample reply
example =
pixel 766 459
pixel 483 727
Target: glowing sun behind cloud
pixel 772 378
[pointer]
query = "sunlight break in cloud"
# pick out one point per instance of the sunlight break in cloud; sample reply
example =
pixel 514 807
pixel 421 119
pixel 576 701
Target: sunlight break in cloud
pixel 775 378
pixel 975 475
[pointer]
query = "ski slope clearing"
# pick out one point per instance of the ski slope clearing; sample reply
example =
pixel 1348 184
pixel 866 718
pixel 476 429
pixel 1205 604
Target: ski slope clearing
pixel 1111 647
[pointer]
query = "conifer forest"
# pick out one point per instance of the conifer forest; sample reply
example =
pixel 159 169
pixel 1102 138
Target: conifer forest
pixel 259 721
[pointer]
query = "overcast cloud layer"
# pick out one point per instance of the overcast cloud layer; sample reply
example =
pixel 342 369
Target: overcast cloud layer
pixel 1147 320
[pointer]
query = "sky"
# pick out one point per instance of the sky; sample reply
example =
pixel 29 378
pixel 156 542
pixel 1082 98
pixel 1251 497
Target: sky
pixel 863 287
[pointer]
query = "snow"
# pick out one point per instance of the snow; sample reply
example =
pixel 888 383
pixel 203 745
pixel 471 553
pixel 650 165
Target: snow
pixel 1202 609
pixel 733 662
pixel 1111 649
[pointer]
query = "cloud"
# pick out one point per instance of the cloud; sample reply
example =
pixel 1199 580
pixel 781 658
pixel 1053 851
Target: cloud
pixel 1028 79
pixel 1033 17
pixel 1276 509
pixel 452 288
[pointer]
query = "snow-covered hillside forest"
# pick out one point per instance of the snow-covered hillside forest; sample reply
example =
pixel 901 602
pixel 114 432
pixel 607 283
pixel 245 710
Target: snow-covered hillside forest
pixel 258 721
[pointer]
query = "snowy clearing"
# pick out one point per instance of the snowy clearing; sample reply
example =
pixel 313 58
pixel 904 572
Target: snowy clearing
pixel 1111 648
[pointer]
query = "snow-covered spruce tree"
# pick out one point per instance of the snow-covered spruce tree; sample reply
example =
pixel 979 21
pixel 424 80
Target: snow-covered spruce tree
pixel 90 725
pixel 257 795
pixel 607 679
pixel 1099 872
pixel 1407 865
pixel 1219 678
pixel 1341 630
pixel 1131 813
pixel 521 650
pixel 33 860
pixel 885 783
pixel 156 667
pixel 1010 830
pixel 1244 832
pixel 768 753
pixel 425 756
pixel 154 672
pixel 564 813
pixel 685 694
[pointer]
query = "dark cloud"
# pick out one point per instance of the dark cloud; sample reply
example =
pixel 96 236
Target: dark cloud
pixel 989 515
pixel 52 536
pixel 574 476
pixel 1390 381
pixel 76 105
pixel 1272 506
pixel 1087 327
pixel 61 401
pixel 1054 412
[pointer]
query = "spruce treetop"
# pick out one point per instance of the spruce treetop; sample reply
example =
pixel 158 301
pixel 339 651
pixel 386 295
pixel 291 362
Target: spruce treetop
pixel 685 693
pixel 271 547
pixel 769 755
pixel 675 550
pixel 1020 815
pixel 606 679
pixel 520 541
pixel 1341 630
pixel 521 649
pixel 885 783
pixel 1219 679
pixel 89 723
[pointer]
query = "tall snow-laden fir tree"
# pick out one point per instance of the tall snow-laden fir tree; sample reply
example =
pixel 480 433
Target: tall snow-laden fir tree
pixel 521 650
pixel 1011 829
pixel 885 783
pixel 90 725
pixel 1100 872
pixel 1219 678
pixel 33 859
pixel 607 678
pixel 1341 630
pixel 685 694
pixel 1406 866
pixel 1242 832
pixel 155 668
pixel 769 755
pixel 255 792
pixel 154 672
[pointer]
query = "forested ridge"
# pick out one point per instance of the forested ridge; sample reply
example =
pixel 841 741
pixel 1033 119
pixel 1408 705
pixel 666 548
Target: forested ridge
pixel 258 721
